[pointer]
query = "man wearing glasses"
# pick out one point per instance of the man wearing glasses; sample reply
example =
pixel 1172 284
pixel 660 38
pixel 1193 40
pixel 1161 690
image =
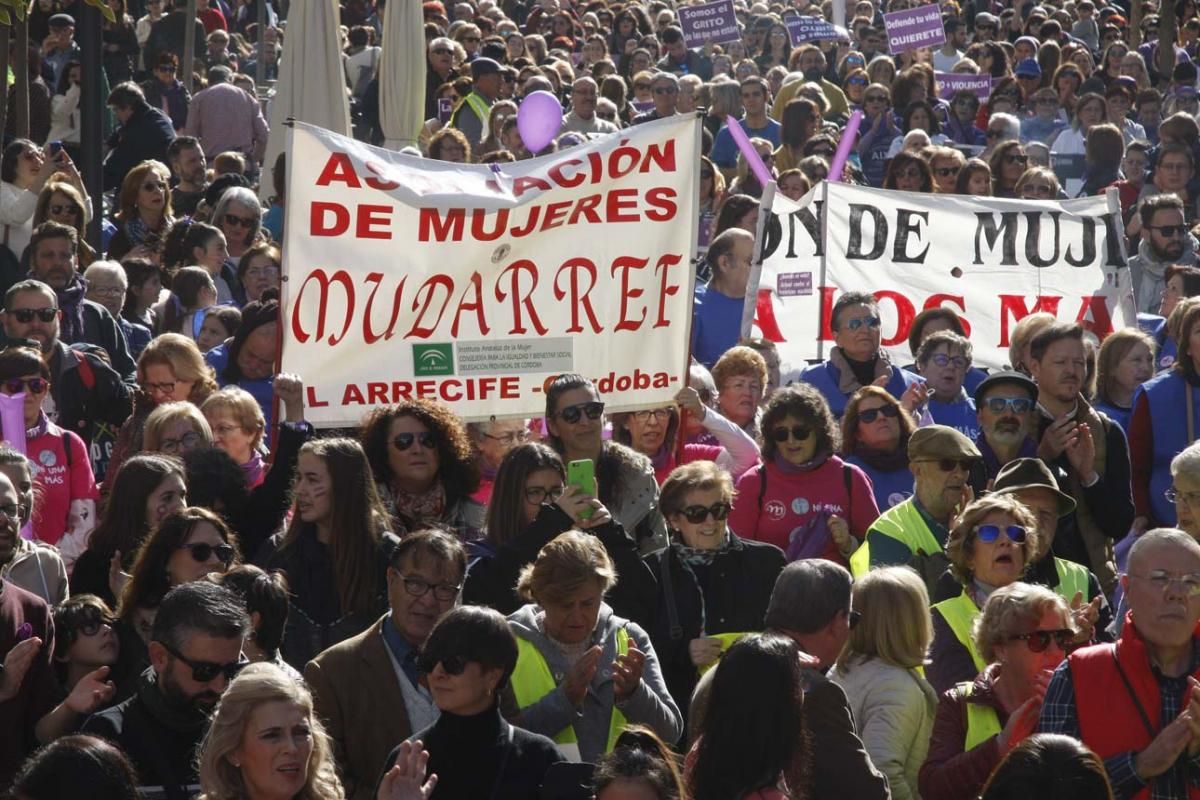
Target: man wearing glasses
pixel 195 651
pixel 439 69
pixel 1166 239
pixel 582 117
pixel 1004 408
pixel 368 689
pixel 1136 703
pixel 664 90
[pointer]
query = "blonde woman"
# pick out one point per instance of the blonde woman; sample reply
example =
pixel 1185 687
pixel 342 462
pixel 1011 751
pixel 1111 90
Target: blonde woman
pixel 238 425
pixel 266 742
pixel 176 429
pixel 879 669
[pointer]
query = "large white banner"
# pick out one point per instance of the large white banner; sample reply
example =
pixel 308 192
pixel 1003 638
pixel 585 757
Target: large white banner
pixel 476 286
pixel 992 261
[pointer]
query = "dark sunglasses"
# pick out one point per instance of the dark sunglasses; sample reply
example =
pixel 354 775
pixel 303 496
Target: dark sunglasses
pixel 1169 231
pixel 403 441
pixel 872 414
pixel 572 414
pixel 994 134
pixel 203 551
pixel 697 514
pixel 1014 158
pixel 205 671
pixel 949 464
pixel 798 432
pixel 1018 405
pixel 241 222
pixel 92 625
pixel 26 315
pixel 452 665
pixel 990 533
pixel 441 51
pixel 946 172
pixel 35 385
pixel 856 82
pixel 1037 641
pixel 641 87
pixel 858 322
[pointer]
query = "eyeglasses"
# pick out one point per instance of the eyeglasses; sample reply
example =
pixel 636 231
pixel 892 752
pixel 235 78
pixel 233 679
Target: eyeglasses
pixel 875 98
pixel 572 414
pixel 451 665
pixel 26 315
pixel 13 512
pixel 203 551
pixel 949 464
pixel 994 134
pixel 659 414
pixel 697 514
pixel 946 172
pixel 169 70
pixel 856 82
pixel 1037 641
pixel 1169 231
pixel 1016 158
pixel 418 587
pixel 666 90
pixel 1017 405
pixel 943 360
pixel 641 87
pixel 856 323
pixel 185 442
pixel 206 671
pixel 871 414
pixel 1191 498
pixel 106 291
pixel 510 438
pixel 1162 580
pixel 240 222
pixel 990 533
pixel 441 51
pixel 166 387
pixel 797 432
pixel 540 494
pixel 404 441
pixel 34 385
pixel 64 208
pixel 92 625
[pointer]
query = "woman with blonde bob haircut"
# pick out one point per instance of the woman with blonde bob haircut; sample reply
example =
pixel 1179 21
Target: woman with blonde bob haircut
pixel 991 543
pixel 235 763
pixel 176 429
pixel 893 706
pixel 1126 361
pixel 238 425
pixel 611 675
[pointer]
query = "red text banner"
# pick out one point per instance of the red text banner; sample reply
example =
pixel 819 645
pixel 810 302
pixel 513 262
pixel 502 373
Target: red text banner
pixel 991 260
pixel 477 285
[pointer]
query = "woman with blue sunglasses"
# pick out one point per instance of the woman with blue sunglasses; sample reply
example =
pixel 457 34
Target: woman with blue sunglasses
pixel 989 547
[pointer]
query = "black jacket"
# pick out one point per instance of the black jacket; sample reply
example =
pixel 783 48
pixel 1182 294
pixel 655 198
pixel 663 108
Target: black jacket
pixel 167 35
pixel 729 596
pixel 146 135
pixel 264 510
pixel 92 399
pixel 101 328
pixel 492 572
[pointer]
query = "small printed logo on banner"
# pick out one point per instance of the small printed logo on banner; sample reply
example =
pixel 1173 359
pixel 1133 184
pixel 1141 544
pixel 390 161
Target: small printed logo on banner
pixel 795 284
pixel 433 359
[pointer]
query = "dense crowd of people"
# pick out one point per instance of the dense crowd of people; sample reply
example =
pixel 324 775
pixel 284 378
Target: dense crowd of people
pixel 853 579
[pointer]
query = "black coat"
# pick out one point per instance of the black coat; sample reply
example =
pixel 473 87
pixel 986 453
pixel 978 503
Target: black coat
pixel 730 596
pixel 146 135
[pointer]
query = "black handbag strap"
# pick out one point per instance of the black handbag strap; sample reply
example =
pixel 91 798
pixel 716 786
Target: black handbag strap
pixel 1133 696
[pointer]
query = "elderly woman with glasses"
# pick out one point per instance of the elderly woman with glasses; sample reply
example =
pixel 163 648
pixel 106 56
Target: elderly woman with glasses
pixel 990 545
pixel 239 216
pixel 713 586
pixel 803 498
pixel 583 672
pixel 424 468
pixel 1037 183
pixel 1021 634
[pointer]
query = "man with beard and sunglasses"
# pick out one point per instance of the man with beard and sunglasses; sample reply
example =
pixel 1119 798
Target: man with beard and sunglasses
pixel 86 395
pixel 195 651
pixel 1004 406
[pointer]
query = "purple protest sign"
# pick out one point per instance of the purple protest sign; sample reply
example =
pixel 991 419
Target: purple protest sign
pixel 712 22
pixel 811 29
pixel 950 83
pixel 914 28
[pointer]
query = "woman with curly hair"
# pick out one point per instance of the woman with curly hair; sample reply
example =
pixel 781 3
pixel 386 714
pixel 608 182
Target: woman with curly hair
pixel 450 145
pixel 333 551
pixel 424 468
pixel 803 498
pixel 237 762
pixel 875 432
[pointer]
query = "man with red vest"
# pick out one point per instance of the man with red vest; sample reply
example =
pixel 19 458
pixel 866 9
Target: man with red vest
pixel 1136 702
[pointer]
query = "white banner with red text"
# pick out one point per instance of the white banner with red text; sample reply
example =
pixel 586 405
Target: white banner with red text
pixel 476 285
pixel 991 260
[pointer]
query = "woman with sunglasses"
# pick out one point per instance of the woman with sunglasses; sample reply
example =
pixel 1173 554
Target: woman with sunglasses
pixel 530 506
pixel 875 433
pixel 880 670
pixel 144 216
pixel 62 469
pixel 333 550
pixel 876 140
pixel 63 202
pixel 146 489
pixel 990 545
pixel 803 498
pixel 239 216
pixel 1008 163
pixel 625 482
pixel 776 49
pixel 713 586
pixel 960 127
pixel 1022 635
pixel 609 673
pixel 424 468
pixel 471 657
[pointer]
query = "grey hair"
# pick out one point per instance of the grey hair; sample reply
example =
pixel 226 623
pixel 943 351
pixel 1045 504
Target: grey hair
pixel 110 268
pixel 668 77
pixel 1172 536
pixel 1187 462
pixel 1012 125
pixel 242 197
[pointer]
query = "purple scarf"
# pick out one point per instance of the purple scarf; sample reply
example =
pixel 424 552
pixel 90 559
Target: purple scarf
pixel 70 301
pixel 254 469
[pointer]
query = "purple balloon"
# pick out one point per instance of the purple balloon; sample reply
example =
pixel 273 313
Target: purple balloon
pixel 539 119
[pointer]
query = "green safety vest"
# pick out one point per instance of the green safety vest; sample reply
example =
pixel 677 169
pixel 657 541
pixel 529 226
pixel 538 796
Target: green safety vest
pixel 727 640
pixel 478 106
pixel 531 681
pixel 902 522
pixel 960 613
pixel 1072 578
pixel 982 722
